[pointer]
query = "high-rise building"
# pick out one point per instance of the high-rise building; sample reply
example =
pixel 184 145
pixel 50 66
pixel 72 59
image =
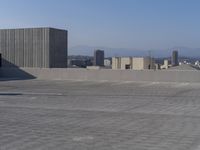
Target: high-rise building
pixel 98 58
pixel 175 58
pixel 34 47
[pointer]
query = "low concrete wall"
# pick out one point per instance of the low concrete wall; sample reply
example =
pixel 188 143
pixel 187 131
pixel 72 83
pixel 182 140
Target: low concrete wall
pixel 103 74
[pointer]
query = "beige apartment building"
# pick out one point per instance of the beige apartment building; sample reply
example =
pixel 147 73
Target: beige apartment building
pixel 133 63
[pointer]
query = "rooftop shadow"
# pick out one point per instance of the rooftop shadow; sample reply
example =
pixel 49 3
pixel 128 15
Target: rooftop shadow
pixel 10 71
pixel 10 94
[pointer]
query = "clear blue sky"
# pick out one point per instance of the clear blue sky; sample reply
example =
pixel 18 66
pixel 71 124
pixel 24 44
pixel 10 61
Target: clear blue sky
pixel 142 24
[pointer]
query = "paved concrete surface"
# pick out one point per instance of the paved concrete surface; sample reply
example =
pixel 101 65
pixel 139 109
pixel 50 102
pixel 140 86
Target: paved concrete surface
pixel 184 67
pixel 67 115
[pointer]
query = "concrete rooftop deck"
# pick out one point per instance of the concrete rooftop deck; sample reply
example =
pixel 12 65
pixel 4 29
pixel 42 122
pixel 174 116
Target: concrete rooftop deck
pixel 69 115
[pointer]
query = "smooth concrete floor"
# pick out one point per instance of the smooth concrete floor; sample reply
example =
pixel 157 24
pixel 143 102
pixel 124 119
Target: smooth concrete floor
pixel 77 115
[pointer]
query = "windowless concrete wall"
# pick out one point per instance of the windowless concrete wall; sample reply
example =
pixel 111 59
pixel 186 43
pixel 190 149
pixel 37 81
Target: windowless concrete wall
pixel 102 75
pixel 34 47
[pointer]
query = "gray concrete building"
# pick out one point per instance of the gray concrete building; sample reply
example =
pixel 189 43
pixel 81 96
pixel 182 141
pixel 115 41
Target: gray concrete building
pixel 99 58
pixel 34 47
pixel 175 58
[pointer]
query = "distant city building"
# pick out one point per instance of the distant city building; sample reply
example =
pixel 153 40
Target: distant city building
pixel 76 63
pixel 81 63
pixel 34 47
pixel 157 66
pixel 174 60
pixel 197 63
pixel 98 58
pixel 134 63
pixel 107 62
pixel 166 64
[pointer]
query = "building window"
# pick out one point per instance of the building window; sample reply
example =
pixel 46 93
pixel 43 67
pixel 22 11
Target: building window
pixel 128 67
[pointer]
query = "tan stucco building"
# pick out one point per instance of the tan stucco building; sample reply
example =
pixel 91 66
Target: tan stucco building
pixel 165 65
pixel 134 63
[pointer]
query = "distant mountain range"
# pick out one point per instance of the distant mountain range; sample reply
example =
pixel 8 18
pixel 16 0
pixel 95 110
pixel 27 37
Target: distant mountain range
pixel 109 52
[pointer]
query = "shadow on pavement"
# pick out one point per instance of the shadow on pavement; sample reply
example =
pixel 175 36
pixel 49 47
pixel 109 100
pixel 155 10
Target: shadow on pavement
pixel 10 94
pixel 10 71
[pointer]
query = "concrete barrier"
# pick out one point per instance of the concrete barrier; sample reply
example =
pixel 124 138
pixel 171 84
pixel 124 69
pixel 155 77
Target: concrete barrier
pixel 102 74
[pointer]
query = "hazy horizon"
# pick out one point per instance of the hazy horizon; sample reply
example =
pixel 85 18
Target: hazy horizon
pixel 129 24
pixel 158 53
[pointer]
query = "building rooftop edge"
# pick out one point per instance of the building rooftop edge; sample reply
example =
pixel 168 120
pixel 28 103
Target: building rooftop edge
pixel 33 28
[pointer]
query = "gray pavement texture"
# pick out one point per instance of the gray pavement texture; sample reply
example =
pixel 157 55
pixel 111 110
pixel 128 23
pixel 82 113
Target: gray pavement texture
pixel 77 115
pixel 184 67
